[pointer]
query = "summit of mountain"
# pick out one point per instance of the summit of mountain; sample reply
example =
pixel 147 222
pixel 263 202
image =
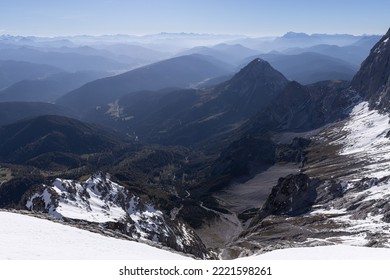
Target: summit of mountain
pixel 252 88
pixel 295 35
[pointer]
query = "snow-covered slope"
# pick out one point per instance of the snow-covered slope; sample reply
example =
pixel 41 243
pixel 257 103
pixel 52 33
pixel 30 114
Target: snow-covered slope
pixel 359 217
pixel 362 159
pixel 341 196
pixel 26 237
pixel 106 204
pixel 364 138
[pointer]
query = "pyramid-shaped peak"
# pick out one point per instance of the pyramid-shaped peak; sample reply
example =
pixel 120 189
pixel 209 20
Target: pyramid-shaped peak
pixel 254 86
pixel 259 62
pixel 261 71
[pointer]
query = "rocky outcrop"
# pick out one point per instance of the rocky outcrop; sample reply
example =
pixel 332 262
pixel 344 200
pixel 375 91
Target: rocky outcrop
pixel 101 202
pixel 329 212
pixel 292 196
pixel 373 79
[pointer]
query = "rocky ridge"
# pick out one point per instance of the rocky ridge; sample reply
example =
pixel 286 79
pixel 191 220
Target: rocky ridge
pixel 372 80
pixel 101 202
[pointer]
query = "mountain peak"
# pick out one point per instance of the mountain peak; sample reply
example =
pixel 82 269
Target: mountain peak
pixel 373 79
pixel 258 61
pixel 262 72
pixel 257 64
pixel 294 35
pixel 254 86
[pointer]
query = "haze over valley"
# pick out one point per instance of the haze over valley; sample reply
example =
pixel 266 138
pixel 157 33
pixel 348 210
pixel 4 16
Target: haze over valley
pixel 205 145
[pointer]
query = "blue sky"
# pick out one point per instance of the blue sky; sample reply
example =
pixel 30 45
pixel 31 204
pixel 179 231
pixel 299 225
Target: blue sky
pixel 249 17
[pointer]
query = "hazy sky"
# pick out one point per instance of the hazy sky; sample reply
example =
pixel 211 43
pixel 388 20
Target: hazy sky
pixel 250 17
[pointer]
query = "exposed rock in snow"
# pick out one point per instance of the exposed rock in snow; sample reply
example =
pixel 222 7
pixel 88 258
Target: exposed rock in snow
pixel 25 238
pixel 365 138
pixel 107 204
pixel 353 213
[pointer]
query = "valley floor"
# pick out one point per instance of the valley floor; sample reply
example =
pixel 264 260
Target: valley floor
pixel 238 198
pixel 254 192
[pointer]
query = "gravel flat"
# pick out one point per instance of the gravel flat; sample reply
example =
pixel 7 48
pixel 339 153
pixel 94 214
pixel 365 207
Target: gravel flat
pixel 254 192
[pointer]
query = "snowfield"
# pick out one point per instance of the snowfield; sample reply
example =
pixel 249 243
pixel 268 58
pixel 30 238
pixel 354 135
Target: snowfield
pixel 364 137
pixel 24 237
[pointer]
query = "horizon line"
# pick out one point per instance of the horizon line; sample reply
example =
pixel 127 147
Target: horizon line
pixel 186 33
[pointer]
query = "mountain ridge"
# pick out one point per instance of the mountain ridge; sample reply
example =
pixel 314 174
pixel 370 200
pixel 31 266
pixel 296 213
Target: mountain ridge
pixel 27 139
pixel 175 72
pixel 308 163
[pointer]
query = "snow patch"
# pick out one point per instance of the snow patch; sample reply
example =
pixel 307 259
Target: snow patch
pixel 364 138
pixel 359 215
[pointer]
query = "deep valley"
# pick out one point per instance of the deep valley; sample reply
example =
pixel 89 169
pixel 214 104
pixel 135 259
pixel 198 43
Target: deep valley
pixel 206 156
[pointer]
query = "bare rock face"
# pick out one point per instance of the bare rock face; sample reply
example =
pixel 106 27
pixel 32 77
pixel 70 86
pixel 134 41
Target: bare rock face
pixel 373 78
pixel 293 195
pixel 303 211
pixel 256 85
pixel 101 202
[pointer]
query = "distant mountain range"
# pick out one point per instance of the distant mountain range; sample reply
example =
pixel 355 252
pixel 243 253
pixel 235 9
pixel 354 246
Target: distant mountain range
pixel 231 54
pixel 302 40
pixel 179 72
pixel 311 67
pixel 48 88
pixel 15 71
pixel 256 162
pixel 68 61
pixel 301 57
